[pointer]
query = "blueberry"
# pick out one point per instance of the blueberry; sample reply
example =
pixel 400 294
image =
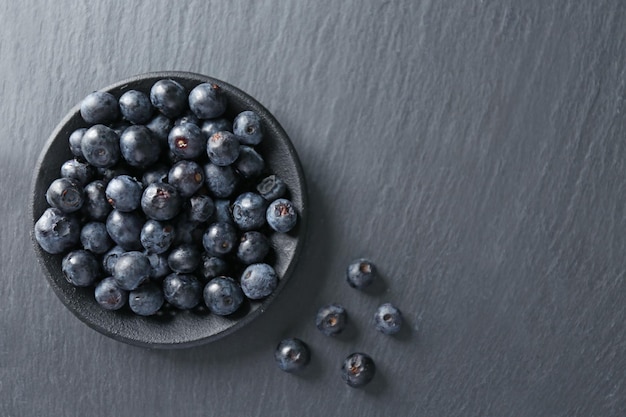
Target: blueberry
pixel 135 107
pixel 281 215
pixel 201 207
pixel 253 247
pixel 388 319
pixel 159 267
pixel 212 266
pixel 56 231
pixel 223 212
pixel 161 201
pixel 187 177
pixel 65 194
pixel 361 273
pixel 80 268
pixel 107 174
pixel 247 126
pixel 146 300
pixel 249 164
pixel 110 259
pixel 211 126
pixel 207 101
pixel 139 147
pixel 96 205
pixel 156 237
pixel 184 258
pixel 187 231
pixel 358 370
pixel 223 296
pixel 78 171
pixel 258 281
pixel 120 127
pixel 292 355
pixel 169 97
pixel 109 296
pixel 186 141
pixel 182 291
pixel 124 193
pixel 160 127
pixel 219 239
pixel 221 181
pixel 94 237
pixel 223 148
pixel 101 146
pixel 331 319
pixel 272 188
pixel 75 140
pixel 188 117
pixel 249 211
pixel 131 270
pixel 125 229
pixel 157 173
pixel 99 107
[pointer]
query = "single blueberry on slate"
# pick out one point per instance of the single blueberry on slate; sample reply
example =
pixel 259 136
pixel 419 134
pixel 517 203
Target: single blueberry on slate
pixel 159 267
pixel 211 267
pixel 125 229
pixel 207 101
pixel 358 370
pixel 80 268
pixel 182 291
pixel 186 141
pixel 253 247
pixel 65 194
pixel 249 211
pixel 135 107
pixel 146 300
pixel 78 171
pixel 201 207
pixel 110 259
pixel 247 126
pixel 331 319
pixel 219 239
pixel 360 273
pixel 223 296
pixel 169 97
pixel 156 173
pixel 388 319
pixel 95 238
pixel 160 127
pixel 184 258
pixel 101 146
pixel 249 164
pixel 131 270
pixel 221 181
pixel 124 193
pixel 161 201
pixel 56 231
pixel 211 126
pixel 187 177
pixel 272 188
pixel 139 147
pixel 75 140
pixel 258 281
pixel 109 296
pixel 281 215
pixel 292 355
pixel 223 148
pixel 156 237
pixel 96 205
pixel 99 107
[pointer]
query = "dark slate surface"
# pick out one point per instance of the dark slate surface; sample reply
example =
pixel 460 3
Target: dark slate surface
pixel 474 149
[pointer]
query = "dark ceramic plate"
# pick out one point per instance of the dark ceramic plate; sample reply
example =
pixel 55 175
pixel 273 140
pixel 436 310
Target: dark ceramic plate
pixel 185 328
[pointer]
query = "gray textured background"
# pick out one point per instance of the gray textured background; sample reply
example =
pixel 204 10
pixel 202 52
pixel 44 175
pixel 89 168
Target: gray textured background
pixel 474 149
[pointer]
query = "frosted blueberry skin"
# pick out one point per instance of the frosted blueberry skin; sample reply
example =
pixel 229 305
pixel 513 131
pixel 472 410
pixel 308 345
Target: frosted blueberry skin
pixel 75 140
pixel 292 355
pixel 249 211
pixel 253 247
pixel 80 268
pixel 388 319
pixel 182 291
pixel 186 141
pixel 56 232
pixel 96 205
pixel 187 177
pixel 211 267
pixel 168 97
pixel 99 107
pixel 223 148
pixel 221 181
pixel 124 193
pixel 258 281
pixel 223 211
pixel 139 147
pixel 247 126
pixel 109 296
pixel 100 146
pixel 201 208
pixel 95 238
pixel 156 173
pixel 135 107
pixel 331 319
pixel 223 296
pixel 358 370
pixel 211 126
pixel 281 215
pixel 131 270
pixel 65 194
pixel 161 201
pixel 156 237
pixel 272 188
pixel 159 267
pixel 146 300
pixel 219 239
pixel 207 101
pixel 361 273
pixel 160 127
pixel 249 164
pixel 125 229
pixel 77 171
pixel 185 258
pixel 110 259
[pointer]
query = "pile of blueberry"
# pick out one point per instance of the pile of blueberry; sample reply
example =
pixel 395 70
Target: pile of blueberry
pixel 166 203
pixel 358 369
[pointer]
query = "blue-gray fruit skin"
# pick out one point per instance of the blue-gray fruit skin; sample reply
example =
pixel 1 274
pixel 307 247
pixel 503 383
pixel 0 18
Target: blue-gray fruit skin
pixel 272 188
pixel 161 201
pixel 253 247
pixel 187 177
pixel 188 117
pixel 107 174
pixel 211 267
pixel 80 268
pixel 131 270
pixel 169 97
pixel 120 126
pixel 139 147
pixel 100 146
pixel 223 148
pixel 160 127
pixel 331 319
pixel 135 107
pixel 223 212
pixel 95 238
pixel 182 291
pixel 99 107
pixel 146 300
pixel 186 141
pixel 281 215
pixel 65 194
pixel 156 237
pixel 159 267
pixel 223 296
pixel 96 205
pixel 249 211
pixel 211 126
pixel 77 171
pixel 388 319
pixel 187 231
pixel 361 273
pixel 258 281
pixel 207 101
pixel 219 239
pixel 109 296
pixel 292 355
pixel 358 370
pixel 156 173
pixel 56 232
pixel 124 193
pixel 110 259
pixel 75 140
pixel 247 126
pixel 125 229
pixel 184 258
pixel 201 208
pixel 221 181
pixel 249 164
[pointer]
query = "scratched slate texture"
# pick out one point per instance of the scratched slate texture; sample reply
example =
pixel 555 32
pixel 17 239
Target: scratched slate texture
pixel 475 150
